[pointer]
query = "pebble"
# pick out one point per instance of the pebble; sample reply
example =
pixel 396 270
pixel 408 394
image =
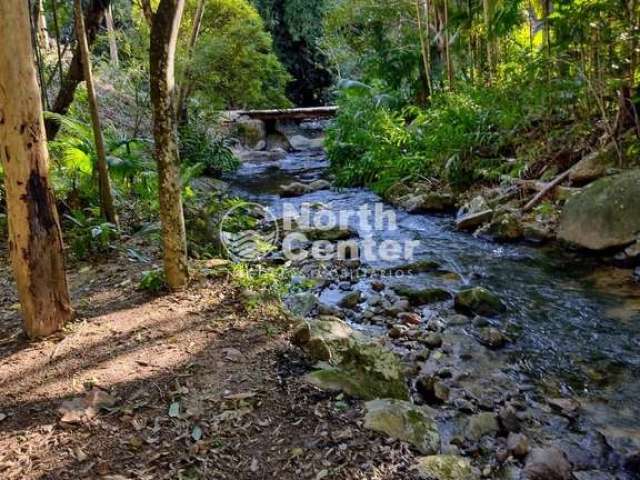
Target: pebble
pixel 410 318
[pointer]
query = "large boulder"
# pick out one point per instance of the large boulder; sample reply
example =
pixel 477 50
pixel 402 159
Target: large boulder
pixel 445 467
pixel 364 370
pixel 404 421
pixel 605 215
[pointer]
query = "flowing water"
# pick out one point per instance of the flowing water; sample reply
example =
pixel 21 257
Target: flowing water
pixel 576 322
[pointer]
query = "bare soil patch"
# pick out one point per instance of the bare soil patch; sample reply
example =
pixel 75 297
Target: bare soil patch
pixel 200 388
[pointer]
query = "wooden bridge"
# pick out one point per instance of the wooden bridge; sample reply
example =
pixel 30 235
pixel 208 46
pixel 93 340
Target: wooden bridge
pixel 289 114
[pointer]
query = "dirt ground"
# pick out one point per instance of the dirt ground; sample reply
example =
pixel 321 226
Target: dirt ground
pixel 187 386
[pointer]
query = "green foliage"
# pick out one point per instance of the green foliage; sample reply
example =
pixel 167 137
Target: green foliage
pixel 89 235
pixel 153 281
pixel 199 146
pixel 297 29
pixel 462 137
pixel 233 64
pixel 268 283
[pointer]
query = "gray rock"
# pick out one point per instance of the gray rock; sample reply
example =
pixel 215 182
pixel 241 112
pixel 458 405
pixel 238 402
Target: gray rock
pixel 301 143
pixel 474 214
pixel 491 338
pixel 481 424
pixel 505 227
pixel 429 202
pixel 302 304
pixel 351 300
pixel 294 189
pixel 432 390
pixel 322 339
pixel 509 419
pixel 431 340
pixel 472 221
pixel 518 445
pixel 252 133
pixel 605 215
pixel 594 165
pixel 547 464
pixel 364 370
pixel 403 421
pixel 319 185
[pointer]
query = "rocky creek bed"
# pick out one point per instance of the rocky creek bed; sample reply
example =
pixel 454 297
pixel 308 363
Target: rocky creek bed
pixel 491 360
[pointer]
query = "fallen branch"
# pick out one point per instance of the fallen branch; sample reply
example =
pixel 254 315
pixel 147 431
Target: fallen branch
pixel 543 193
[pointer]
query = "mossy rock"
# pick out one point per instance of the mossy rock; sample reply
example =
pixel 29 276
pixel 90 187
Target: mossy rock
pixel 605 215
pixel 322 339
pixel 403 421
pixel 505 227
pixel 422 296
pixel 365 370
pixel 445 467
pixel 478 301
pixel 332 234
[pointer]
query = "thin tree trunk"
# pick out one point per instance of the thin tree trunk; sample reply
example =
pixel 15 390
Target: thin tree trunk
pixel 185 88
pixel 111 34
pixel 35 239
pixel 41 26
pixel 487 8
pixel 164 35
pixel 104 182
pixel 447 47
pixel 93 19
pixel 423 48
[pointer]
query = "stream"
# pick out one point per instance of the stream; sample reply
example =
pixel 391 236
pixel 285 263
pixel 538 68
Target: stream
pixel 574 322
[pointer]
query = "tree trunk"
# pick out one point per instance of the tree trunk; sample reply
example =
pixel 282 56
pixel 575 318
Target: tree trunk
pixel 185 89
pixel 93 19
pixel 42 33
pixel 164 35
pixel 104 182
pixel 424 47
pixel 111 33
pixel 35 239
pixel 447 46
pixel 487 8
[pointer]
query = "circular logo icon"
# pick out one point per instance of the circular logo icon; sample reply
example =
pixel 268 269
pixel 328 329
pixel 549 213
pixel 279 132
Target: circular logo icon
pixel 248 232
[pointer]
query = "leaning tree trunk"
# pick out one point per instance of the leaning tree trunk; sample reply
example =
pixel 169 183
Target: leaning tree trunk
pixel 94 16
pixel 34 231
pixel 184 90
pixel 164 36
pixel 104 182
